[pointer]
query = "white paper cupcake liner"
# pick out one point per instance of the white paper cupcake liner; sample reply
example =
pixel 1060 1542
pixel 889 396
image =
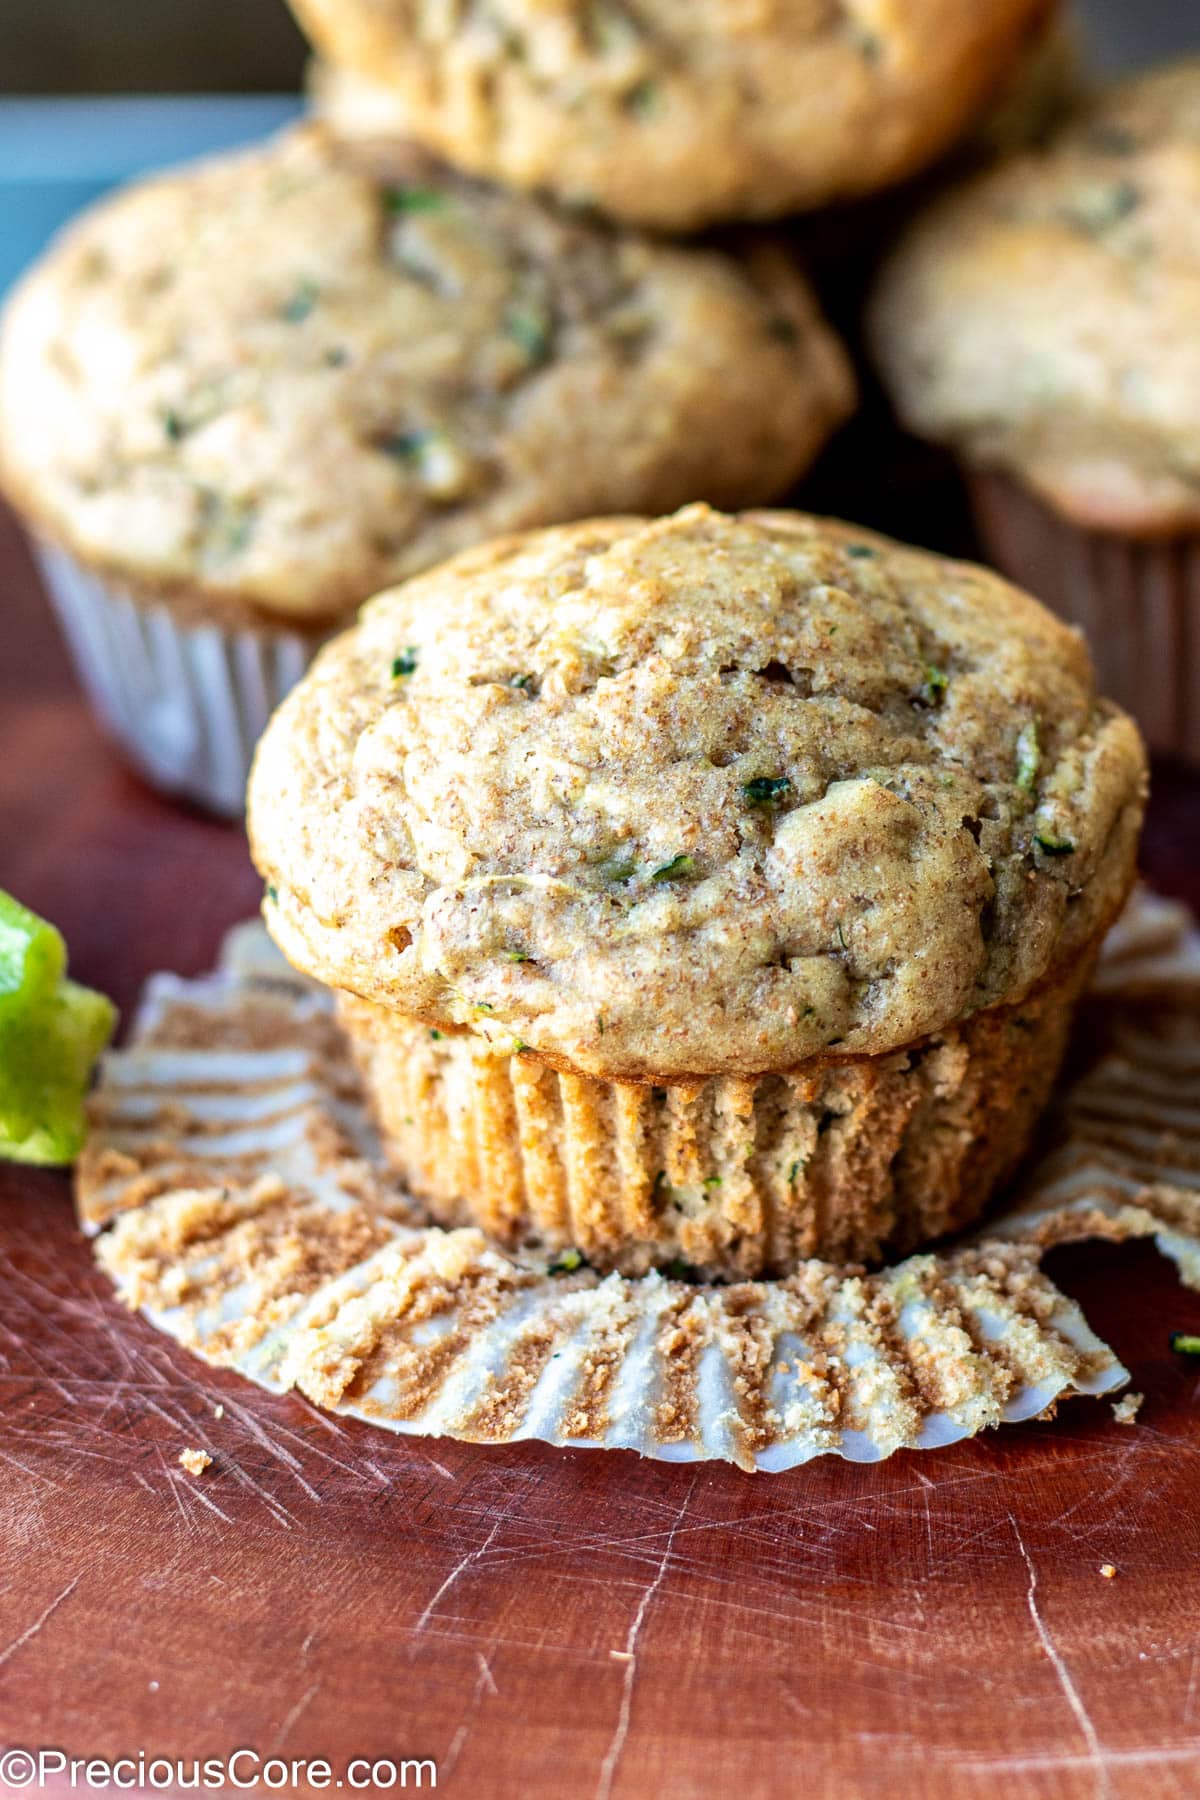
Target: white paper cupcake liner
pixel 239 1199
pixel 186 702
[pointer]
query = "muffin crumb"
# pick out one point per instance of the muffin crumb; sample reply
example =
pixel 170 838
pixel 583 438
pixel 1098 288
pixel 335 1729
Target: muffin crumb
pixel 194 1461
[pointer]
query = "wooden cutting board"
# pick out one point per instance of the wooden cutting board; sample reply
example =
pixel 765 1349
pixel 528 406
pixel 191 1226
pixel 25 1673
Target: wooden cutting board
pixel 542 1622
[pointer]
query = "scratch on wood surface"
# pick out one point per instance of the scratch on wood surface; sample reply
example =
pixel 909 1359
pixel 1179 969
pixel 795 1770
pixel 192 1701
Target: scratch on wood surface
pixel 332 1426
pixel 433 1463
pixel 279 1451
pixel 1191 1689
pixel 460 1568
pixel 173 1488
pixel 1057 1662
pixel 34 1474
pixel 930 1552
pixel 354 1470
pixel 31 1631
pixel 612 1757
pixel 1049 1760
pixel 454 1751
pixel 194 1493
pixel 274 1506
pixel 297 1711
pixel 178 1421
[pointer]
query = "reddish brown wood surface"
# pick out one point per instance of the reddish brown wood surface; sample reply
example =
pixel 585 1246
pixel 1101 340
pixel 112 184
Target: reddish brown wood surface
pixel 541 1622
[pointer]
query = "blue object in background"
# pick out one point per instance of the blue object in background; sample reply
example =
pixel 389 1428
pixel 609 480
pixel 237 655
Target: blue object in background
pixel 57 155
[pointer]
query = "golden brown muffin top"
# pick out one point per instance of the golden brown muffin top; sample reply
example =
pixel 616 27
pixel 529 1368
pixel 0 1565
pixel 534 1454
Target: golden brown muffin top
pixel 697 794
pixel 1044 318
pixel 672 113
pixel 287 378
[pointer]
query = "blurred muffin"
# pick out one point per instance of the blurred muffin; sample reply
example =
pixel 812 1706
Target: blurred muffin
pixel 237 399
pixel 707 888
pixel 1044 319
pixel 1048 82
pixel 667 115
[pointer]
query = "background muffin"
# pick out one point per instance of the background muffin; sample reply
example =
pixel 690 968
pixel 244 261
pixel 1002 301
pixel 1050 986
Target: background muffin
pixel 672 115
pixel 706 887
pixel 1050 78
pixel 1044 319
pixel 252 392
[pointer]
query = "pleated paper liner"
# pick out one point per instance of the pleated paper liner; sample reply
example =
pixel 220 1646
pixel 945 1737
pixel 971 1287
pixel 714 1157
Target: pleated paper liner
pixel 186 701
pixel 239 1199
pixel 1137 603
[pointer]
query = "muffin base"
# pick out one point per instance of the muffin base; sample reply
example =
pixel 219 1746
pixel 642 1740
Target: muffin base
pixel 1136 601
pixel 186 699
pixel 845 1160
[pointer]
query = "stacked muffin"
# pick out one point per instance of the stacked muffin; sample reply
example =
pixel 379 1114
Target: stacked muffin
pixel 670 115
pixel 237 399
pixel 1043 320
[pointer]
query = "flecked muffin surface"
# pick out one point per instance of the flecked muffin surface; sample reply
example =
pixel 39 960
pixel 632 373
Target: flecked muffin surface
pixel 673 113
pixel 289 377
pixel 695 795
pixel 1043 318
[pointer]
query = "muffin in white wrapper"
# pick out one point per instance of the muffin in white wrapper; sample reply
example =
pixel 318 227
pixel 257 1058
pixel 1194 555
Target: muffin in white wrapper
pixel 257 390
pixel 187 702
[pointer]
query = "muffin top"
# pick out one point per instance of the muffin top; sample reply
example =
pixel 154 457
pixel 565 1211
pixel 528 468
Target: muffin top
pixel 283 379
pixel 673 113
pixel 695 795
pixel 1044 317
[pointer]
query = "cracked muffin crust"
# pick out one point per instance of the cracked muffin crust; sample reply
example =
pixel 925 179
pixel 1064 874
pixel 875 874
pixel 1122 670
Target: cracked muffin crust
pixel 276 381
pixel 672 114
pixel 704 888
pixel 1042 317
pixel 707 888
pixel 696 795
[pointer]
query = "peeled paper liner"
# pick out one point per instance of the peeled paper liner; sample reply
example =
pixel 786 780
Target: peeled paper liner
pixel 239 1199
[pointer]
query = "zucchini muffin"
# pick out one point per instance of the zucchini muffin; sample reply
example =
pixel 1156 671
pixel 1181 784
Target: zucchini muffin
pixel 672 114
pixel 703 889
pixel 1044 319
pixel 237 399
